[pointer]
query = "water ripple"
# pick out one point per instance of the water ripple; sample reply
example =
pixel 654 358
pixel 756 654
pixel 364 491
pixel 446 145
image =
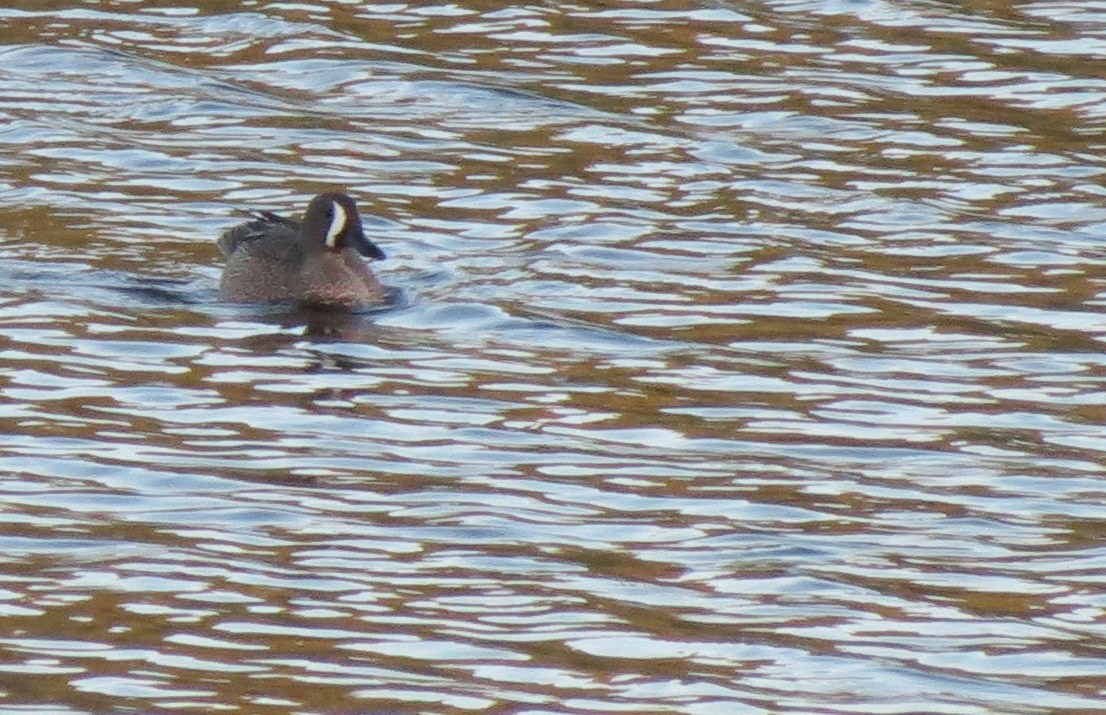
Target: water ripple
pixel 739 360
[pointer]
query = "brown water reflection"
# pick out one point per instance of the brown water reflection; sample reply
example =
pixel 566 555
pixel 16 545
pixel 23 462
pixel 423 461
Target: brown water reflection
pixel 744 358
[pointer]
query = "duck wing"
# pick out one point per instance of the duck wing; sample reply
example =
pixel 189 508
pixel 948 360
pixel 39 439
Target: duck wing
pixel 262 224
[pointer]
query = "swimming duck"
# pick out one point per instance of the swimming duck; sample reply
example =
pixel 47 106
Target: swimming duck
pixel 316 261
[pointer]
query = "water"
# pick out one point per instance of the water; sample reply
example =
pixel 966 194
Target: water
pixel 745 358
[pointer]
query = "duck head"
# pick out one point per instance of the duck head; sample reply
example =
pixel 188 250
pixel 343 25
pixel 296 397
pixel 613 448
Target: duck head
pixel 332 219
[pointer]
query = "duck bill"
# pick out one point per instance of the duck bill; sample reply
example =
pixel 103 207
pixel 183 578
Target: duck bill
pixel 365 247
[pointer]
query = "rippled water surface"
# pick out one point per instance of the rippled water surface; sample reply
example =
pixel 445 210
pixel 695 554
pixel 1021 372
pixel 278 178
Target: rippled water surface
pixel 746 358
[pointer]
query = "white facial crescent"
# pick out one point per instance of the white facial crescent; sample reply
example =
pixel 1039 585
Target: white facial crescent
pixel 337 225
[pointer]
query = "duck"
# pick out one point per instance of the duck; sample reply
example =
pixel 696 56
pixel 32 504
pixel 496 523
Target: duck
pixel 317 261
